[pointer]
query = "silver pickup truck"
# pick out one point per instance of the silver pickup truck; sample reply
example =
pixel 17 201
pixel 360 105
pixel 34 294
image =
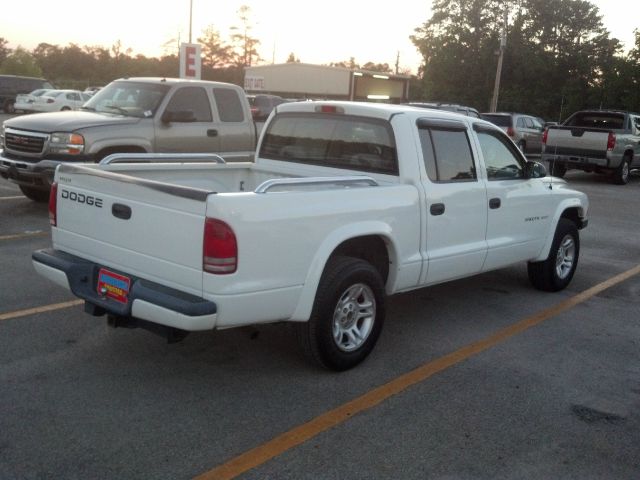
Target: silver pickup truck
pixel 600 141
pixel 136 115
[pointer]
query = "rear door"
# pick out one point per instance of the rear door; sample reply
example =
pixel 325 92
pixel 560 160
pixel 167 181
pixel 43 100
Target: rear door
pixel 235 128
pixel 454 238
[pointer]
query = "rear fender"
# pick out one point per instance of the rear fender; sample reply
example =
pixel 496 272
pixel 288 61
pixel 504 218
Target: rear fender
pixel 333 240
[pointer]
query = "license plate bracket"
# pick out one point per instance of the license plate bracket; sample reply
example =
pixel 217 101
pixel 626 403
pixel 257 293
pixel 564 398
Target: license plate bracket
pixel 113 285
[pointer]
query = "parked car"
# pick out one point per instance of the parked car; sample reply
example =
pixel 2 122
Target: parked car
pixel 24 101
pixel 525 130
pixel 132 116
pixel 92 90
pixel 12 85
pixel 60 100
pixel 449 107
pixel 262 105
pixel 600 141
pixel 318 231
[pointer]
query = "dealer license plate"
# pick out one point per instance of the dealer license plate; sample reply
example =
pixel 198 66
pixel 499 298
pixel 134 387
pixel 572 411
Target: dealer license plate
pixel 113 285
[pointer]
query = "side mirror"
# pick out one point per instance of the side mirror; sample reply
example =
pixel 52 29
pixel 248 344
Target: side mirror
pixel 178 116
pixel 535 170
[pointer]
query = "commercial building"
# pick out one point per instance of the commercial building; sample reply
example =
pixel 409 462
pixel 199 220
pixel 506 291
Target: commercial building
pixel 306 81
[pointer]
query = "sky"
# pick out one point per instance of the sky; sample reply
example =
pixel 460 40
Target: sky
pixel 319 32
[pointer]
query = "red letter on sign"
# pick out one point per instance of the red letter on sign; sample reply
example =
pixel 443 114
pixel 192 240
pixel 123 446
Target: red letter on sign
pixel 190 62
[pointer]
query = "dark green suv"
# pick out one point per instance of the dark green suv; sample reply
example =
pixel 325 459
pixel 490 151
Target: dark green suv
pixel 12 85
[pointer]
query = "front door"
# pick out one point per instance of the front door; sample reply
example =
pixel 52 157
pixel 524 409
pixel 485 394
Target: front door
pixel 520 208
pixel 188 124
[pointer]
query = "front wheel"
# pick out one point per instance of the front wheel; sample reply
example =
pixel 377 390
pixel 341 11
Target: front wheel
pixel 555 273
pixel 9 107
pixel 557 169
pixel 347 316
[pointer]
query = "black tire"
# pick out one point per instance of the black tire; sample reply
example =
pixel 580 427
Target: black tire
pixel 555 273
pixel 8 107
pixel 621 174
pixel 557 169
pixel 65 109
pixel 35 194
pixel 358 287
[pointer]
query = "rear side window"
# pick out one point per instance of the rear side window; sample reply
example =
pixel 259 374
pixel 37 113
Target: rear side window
pixel 193 99
pixel 330 140
pixel 447 155
pixel 229 105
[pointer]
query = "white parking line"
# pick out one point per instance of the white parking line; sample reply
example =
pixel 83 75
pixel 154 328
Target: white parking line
pixel 16 236
pixel 13 198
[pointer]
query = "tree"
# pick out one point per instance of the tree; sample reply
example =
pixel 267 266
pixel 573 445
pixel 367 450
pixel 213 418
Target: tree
pixel 215 52
pixel 292 58
pixel 377 67
pixel 4 50
pixel 350 64
pixel 20 62
pixel 557 55
pixel 245 51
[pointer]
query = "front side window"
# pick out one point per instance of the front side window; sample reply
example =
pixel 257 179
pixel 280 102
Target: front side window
pixel 447 155
pixel 500 158
pixel 193 100
pixel 332 140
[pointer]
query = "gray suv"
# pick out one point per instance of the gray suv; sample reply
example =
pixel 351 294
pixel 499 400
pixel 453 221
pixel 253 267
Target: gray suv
pixel 525 130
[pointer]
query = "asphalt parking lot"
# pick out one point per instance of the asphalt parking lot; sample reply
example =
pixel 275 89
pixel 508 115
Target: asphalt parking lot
pixel 480 378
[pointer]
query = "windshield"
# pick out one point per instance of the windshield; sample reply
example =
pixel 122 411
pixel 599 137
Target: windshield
pixel 132 99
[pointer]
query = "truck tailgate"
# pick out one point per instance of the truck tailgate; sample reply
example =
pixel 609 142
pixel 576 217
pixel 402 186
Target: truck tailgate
pixel 149 229
pixel 577 141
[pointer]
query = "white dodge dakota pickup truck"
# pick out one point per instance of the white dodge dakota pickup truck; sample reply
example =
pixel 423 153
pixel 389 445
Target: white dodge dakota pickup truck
pixel 346 204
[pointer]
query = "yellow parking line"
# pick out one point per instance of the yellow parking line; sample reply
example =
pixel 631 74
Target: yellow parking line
pixel 17 236
pixel 300 434
pixel 36 310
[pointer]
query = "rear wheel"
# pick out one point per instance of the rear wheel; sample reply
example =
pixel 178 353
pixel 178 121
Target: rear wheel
pixel 35 194
pixel 621 174
pixel 557 270
pixel 65 109
pixel 347 315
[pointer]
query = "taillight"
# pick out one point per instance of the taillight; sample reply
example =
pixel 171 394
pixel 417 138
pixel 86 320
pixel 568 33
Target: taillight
pixel 611 141
pixel 50 100
pixel 510 132
pixel 220 248
pixel 53 204
pixel 545 135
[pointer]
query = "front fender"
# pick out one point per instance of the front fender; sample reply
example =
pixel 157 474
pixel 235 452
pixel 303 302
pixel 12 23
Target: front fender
pixel 328 246
pixel 563 206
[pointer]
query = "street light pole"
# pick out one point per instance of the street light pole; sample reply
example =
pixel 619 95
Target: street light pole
pixel 190 18
pixel 503 47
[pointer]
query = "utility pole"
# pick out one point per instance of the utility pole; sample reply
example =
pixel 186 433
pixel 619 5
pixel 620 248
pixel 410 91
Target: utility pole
pixel 503 47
